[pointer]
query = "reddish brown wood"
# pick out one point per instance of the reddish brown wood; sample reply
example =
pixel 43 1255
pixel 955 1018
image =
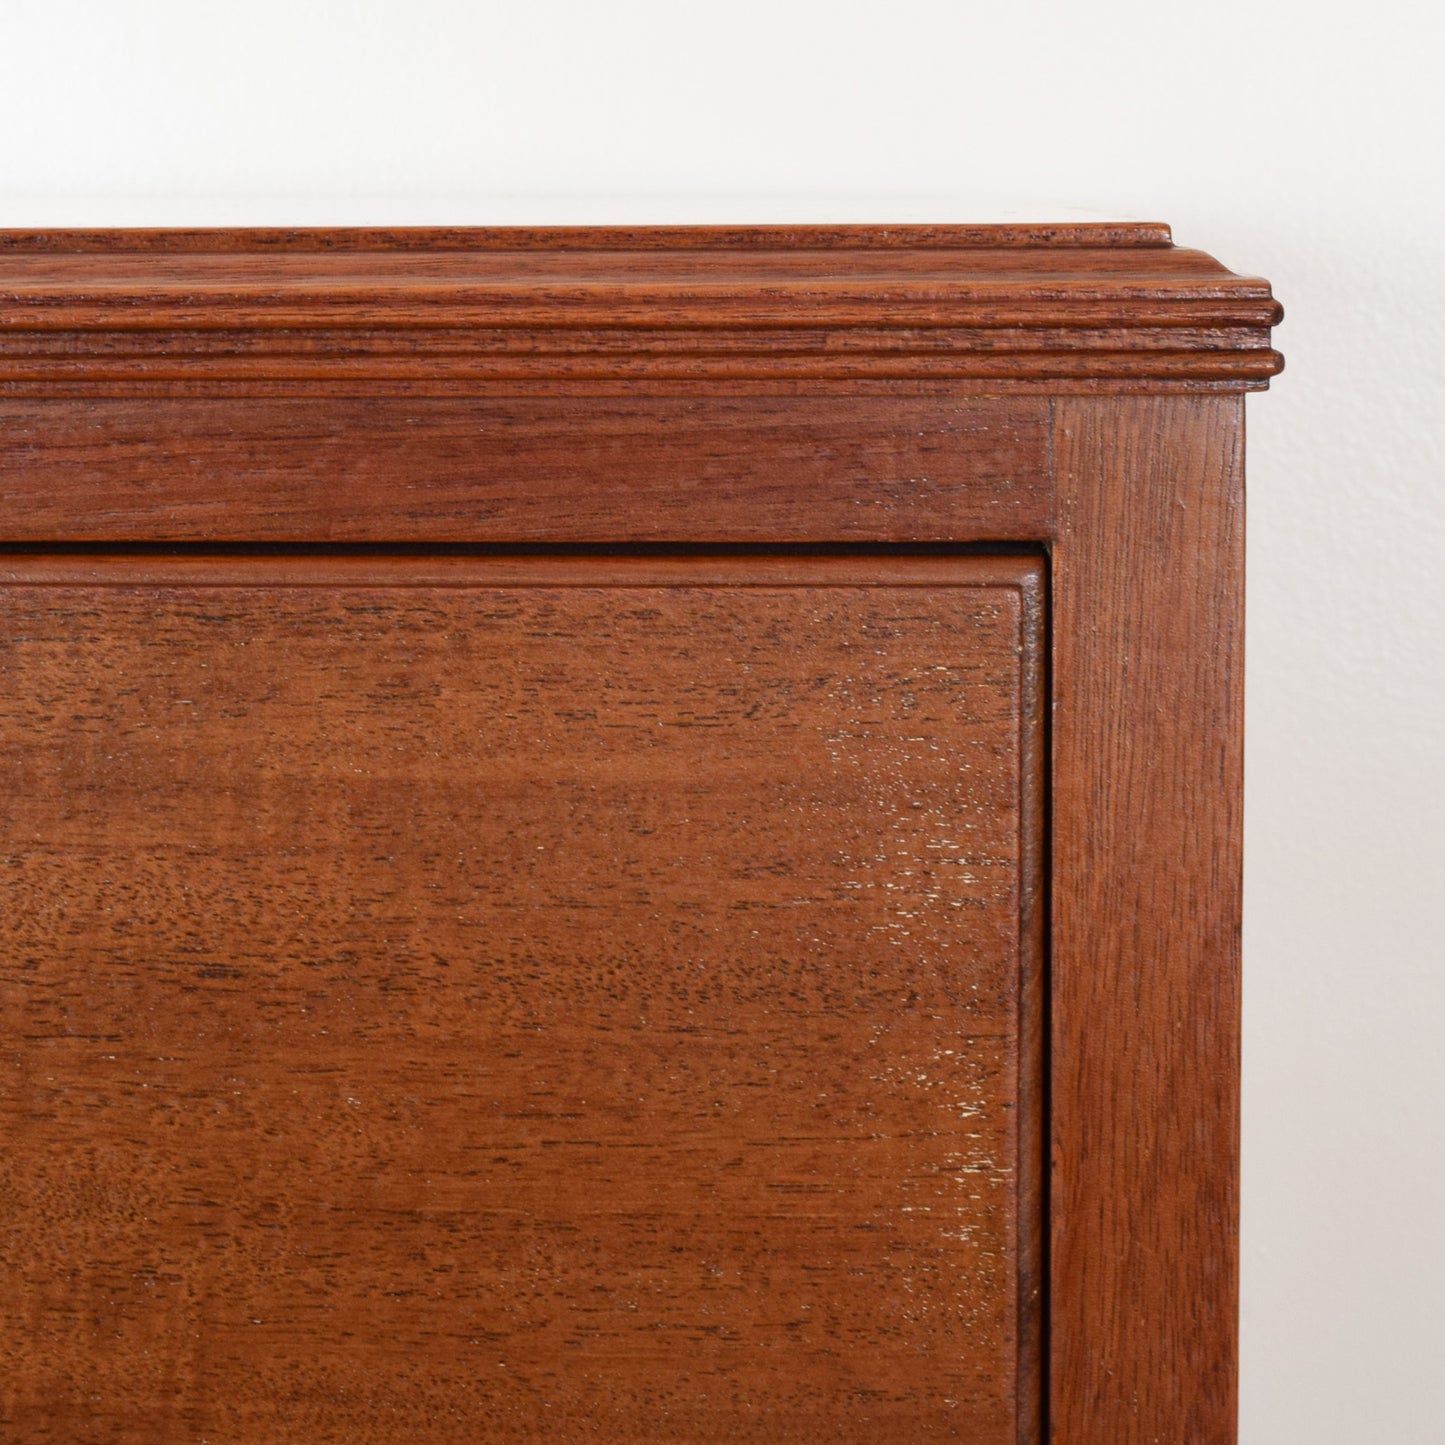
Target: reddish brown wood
pixel 706 469
pixel 1148 677
pixel 379 313
pixel 530 997
pixel 1094 234
pixel 480 814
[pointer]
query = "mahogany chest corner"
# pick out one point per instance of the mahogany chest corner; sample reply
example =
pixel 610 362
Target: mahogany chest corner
pixel 621 835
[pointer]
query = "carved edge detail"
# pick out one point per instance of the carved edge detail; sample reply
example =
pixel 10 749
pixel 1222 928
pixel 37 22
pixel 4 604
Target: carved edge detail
pixel 375 313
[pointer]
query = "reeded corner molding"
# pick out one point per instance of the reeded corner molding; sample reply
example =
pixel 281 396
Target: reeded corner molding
pixel 1108 308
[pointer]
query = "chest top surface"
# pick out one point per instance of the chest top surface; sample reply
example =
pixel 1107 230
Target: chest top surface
pixel 1114 307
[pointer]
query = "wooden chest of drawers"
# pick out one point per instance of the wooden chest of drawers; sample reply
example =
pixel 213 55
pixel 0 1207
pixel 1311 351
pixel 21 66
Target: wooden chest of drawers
pixel 621 836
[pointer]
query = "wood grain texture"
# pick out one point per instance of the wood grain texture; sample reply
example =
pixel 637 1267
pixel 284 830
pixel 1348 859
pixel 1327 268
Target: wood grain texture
pixel 367 313
pixel 311 853
pixel 559 999
pixel 1144 969
pixel 521 470
pixel 986 236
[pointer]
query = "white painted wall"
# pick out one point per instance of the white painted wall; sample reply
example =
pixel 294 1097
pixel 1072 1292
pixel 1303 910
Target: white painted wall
pixel 1295 139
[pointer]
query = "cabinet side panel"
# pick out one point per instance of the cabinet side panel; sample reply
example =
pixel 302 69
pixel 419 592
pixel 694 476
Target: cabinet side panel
pixel 526 469
pixel 1146 897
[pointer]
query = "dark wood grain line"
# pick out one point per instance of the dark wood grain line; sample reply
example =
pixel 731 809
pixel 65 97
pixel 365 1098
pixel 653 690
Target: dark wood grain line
pixel 761 362
pixel 1033 1086
pixel 615 388
pixel 879 569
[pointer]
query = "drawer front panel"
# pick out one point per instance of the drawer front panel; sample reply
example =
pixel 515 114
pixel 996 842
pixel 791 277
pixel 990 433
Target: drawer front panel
pixel 515 999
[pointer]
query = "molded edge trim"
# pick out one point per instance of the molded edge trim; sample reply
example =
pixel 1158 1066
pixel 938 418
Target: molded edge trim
pixel 151 312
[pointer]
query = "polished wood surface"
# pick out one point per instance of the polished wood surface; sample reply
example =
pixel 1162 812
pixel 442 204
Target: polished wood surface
pixel 1148 690
pixel 521 998
pixel 526 470
pixel 621 834
pixel 496 312
pixel 265 240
